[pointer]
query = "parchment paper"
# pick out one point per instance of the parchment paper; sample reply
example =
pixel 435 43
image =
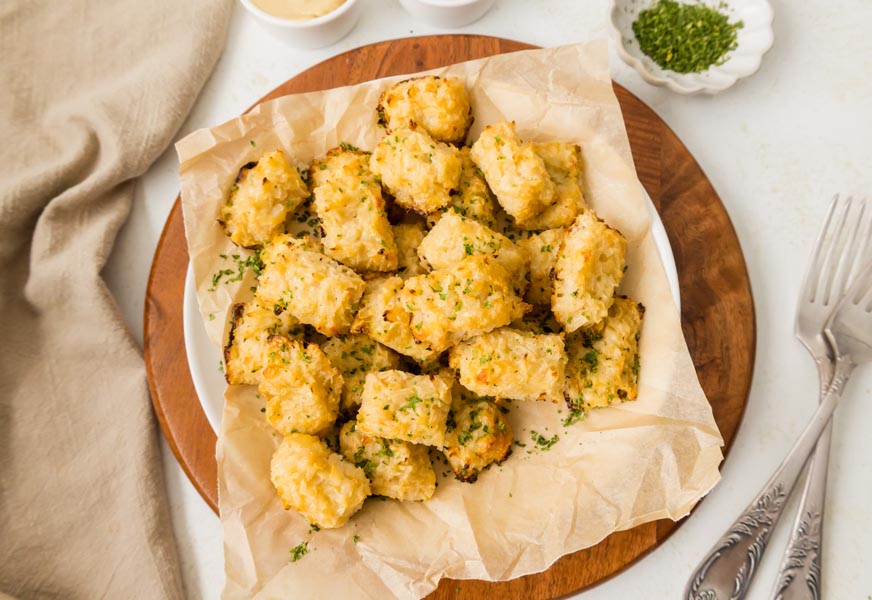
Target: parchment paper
pixel 624 465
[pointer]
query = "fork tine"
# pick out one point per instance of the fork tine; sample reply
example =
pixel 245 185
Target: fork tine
pixel 862 287
pixel 856 257
pixel 811 282
pixel 850 257
pixel 864 252
pixel 833 253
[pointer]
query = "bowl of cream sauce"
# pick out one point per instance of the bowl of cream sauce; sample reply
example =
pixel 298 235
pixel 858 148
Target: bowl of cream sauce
pixel 305 23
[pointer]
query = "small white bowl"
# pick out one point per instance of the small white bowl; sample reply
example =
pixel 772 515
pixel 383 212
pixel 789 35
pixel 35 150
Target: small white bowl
pixel 311 33
pixel 447 14
pixel 753 41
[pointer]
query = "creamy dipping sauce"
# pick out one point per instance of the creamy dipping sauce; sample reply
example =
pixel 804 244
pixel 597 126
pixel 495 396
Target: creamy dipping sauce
pixel 298 10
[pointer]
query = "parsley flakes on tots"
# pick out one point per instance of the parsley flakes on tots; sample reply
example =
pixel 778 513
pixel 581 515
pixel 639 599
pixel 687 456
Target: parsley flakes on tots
pixel 404 294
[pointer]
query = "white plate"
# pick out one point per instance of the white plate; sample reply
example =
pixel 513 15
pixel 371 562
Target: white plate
pixel 204 359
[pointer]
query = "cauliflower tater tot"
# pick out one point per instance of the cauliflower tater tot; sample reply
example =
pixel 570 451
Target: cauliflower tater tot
pixel 481 436
pixel 475 200
pixel 438 105
pixel 301 387
pixel 274 249
pixel 396 469
pixel 316 482
pixel 603 363
pixel 450 305
pixel 315 289
pixel 402 406
pixel 355 355
pixel 541 250
pixel 539 320
pixel 383 319
pixel 589 267
pixel 417 170
pixel 455 237
pixel 409 236
pixel 507 363
pixel 349 202
pixel 562 161
pixel 513 170
pixel 246 351
pixel 260 200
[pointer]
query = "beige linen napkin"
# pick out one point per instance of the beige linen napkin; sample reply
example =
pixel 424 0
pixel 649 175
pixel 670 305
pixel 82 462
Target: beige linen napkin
pixel 92 93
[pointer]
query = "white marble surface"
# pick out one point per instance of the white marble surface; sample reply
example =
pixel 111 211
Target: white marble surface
pixel 776 146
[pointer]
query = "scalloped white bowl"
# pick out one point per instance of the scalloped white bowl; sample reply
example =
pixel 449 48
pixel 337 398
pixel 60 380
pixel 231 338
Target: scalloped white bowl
pixel 753 41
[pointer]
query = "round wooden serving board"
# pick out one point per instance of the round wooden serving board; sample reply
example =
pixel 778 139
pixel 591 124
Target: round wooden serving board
pixel 717 310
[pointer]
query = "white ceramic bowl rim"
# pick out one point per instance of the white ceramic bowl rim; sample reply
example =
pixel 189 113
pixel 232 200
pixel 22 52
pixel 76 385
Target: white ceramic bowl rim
pixel 298 23
pixel 448 3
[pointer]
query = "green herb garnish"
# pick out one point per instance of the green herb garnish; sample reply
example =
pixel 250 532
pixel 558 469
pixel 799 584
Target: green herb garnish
pixel 412 401
pixel 685 38
pixel 590 360
pixel 543 443
pixel 242 264
pixel 575 416
pixel 299 551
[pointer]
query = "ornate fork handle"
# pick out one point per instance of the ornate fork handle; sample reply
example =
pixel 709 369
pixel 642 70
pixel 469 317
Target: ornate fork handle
pixel 727 570
pixel 799 576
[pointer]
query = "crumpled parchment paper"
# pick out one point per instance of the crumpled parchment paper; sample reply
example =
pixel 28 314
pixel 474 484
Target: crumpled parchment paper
pixel 624 465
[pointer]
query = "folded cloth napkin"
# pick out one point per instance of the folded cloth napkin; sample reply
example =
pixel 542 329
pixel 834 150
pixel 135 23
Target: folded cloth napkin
pixel 92 93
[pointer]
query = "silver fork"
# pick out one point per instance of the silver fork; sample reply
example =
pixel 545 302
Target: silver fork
pixel 799 576
pixel 727 570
